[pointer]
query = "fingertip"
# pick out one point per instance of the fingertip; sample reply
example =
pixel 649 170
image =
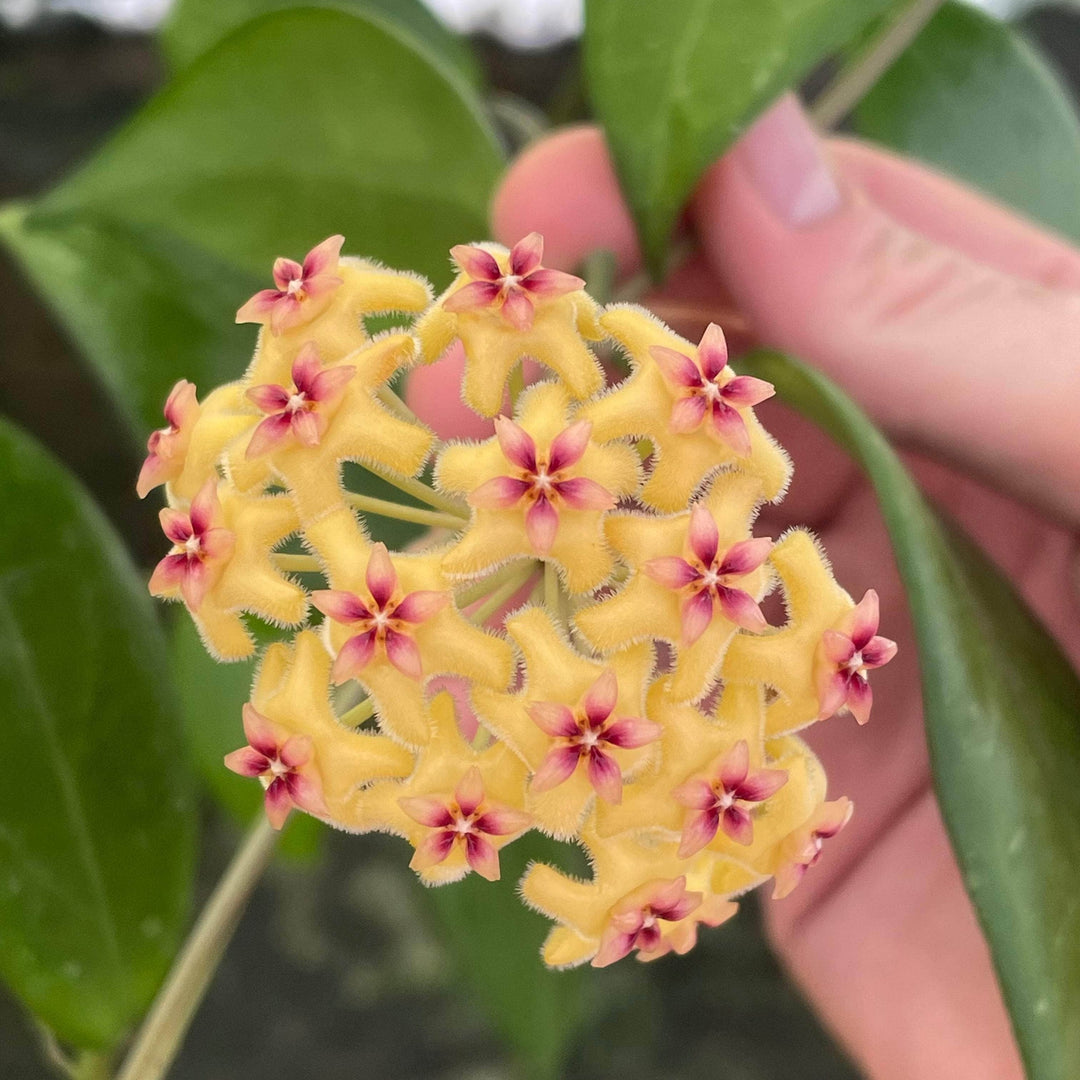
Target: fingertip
pixel 564 186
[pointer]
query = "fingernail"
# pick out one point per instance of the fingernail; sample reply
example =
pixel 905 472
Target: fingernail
pixel 786 163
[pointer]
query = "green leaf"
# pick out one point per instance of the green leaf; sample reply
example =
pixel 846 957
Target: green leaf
pixel 148 250
pixel 97 824
pixel 145 308
pixel 495 942
pixel 674 84
pixel 212 696
pixel 196 25
pixel 973 97
pixel 1001 704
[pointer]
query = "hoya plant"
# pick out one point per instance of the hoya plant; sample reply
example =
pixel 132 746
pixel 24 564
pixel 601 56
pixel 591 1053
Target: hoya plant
pixel 463 545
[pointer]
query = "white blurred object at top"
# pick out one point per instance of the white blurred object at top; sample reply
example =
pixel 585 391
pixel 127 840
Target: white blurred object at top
pixel 523 24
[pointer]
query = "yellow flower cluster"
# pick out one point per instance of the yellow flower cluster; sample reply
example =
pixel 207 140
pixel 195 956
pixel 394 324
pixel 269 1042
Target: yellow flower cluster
pixel 577 646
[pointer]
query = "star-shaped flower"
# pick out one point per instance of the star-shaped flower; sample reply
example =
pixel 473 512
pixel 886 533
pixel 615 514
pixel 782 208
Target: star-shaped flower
pixel 332 314
pixel 724 798
pixel 691 747
pixel 383 622
pixel 661 401
pixel 542 482
pixel 292 691
pixel 587 735
pixel 301 412
pixel 221 564
pixel 283 763
pixel 635 887
pixel 355 426
pixel 514 292
pixel 444 785
pixel 634 922
pixel 577 723
pixel 844 658
pixel 663 552
pixel 167 447
pixel 539 488
pixel 504 306
pixel 802 849
pixel 784 658
pixel 709 579
pixel 707 389
pixel 412 632
pixel 201 549
pixel 465 821
pixel 301 290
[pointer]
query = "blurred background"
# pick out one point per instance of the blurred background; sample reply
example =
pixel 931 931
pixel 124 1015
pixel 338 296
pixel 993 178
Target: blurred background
pixel 343 966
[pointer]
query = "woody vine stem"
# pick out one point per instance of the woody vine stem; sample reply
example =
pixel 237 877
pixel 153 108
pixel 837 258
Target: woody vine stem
pixel 158 1041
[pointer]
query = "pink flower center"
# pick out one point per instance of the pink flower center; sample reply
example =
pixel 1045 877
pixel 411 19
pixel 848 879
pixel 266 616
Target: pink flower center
pixel 295 288
pixel 297 401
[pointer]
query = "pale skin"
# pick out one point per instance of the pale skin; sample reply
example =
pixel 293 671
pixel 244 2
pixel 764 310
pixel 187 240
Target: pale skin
pixel 957 326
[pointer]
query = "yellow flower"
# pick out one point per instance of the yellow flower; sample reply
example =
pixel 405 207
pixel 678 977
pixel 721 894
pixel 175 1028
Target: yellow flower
pixel 459 807
pixel 221 564
pixel 539 489
pixel 674 767
pixel 292 696
pixel 392 625
pixel 504 306
pixel 326 299
pixel 784 658
pixel 355 426
pixel 642 406
pixel 635 886
pixel 671 564
pixel 577 723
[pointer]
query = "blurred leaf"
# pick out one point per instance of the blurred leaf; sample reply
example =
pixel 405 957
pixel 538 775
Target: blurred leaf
pixel 196 25
pixel 211 698
pixel 148 250
pixel 145 308
pixel 1002 707
pixel 975 98
pixel 97 825
pixel 495 941
pixel 674 85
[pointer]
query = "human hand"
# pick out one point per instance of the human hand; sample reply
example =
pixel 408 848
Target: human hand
pixel 955 324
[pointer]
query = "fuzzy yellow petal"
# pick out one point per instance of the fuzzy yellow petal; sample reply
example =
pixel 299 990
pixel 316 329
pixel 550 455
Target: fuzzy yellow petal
pixel 493 346
pixel 641 406
pixel 448 644
pixel 360 429
pixel 300 703
pixel 784 658
pixel 366 289
pixel 556 673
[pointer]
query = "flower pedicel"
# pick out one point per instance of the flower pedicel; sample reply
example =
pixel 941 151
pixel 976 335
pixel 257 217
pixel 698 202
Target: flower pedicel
pixel 607 520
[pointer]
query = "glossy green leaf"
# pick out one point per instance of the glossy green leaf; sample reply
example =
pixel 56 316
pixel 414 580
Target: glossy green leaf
pixel 144 307
pixel 975 98
pixel 674 84
pixel 196 25
pixel 1002 710
pixel 97 824
pixel 148 250
pixel 495 942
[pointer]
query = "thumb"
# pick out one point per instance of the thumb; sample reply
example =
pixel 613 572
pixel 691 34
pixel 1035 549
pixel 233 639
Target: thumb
pixel 950 320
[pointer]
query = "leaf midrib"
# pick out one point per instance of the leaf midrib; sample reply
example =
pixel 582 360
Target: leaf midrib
pixel 72 799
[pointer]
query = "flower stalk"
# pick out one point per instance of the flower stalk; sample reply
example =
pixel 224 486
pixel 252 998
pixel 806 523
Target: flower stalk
pixel 159 1039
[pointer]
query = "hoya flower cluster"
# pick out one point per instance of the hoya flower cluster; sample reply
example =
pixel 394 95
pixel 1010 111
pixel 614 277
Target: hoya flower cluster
pixel 576 647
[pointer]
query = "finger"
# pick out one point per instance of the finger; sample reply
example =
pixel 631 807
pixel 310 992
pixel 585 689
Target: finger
pixel 564 187
pixel 949 213
pixel 944 349
pixel 897 966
